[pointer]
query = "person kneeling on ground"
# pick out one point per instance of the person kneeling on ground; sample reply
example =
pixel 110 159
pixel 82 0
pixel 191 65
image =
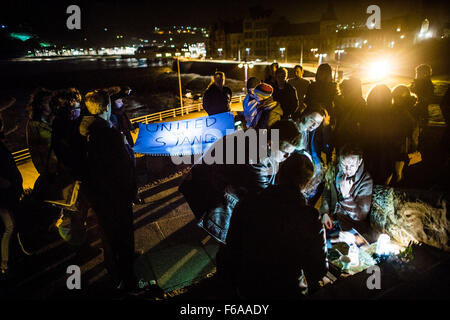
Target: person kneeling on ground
pixel 347 196
pixel 276 245
pixel 212 190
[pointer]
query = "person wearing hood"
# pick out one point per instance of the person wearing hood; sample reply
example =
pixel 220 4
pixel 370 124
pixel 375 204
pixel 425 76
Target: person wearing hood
pixel 347 195
pixel 268 111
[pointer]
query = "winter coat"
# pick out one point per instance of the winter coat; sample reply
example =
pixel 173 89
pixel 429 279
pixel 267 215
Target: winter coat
pixel 110 170
pixel 39 136
pixel 378 141
pixel 287 97
pixel 322 94
pixel 352 211
pixel 273 236
pixel 121 122
pixel 212 191
pixel 424 90
pixel 347 120
pixel 301 85
pixel 69 148
pixel 10 180
pixel 216 100
pixel 267 113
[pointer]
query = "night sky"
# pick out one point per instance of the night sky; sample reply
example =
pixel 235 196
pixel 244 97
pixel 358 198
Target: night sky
pixel 49 17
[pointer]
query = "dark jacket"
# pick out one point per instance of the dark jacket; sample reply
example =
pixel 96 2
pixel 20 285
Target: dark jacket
pixel 110 170
pixel 347 113
pixel 69 147
pixel 287 97
pixel 424 90
pixel 322 94
pixel 353 211
pixel 121 122
pixel 301 85
pixel 10 180
pixel 272 237
pixel 378 141
pixel 216 100
pixel 39 136
pixel 212 191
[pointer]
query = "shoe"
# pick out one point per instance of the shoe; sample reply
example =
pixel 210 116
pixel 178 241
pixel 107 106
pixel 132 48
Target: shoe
pixel 26 252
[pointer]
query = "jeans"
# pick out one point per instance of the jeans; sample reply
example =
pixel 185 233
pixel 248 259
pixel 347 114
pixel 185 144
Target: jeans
pixel 9 228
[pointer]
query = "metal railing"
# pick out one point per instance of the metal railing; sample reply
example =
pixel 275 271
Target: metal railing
pixel 24 154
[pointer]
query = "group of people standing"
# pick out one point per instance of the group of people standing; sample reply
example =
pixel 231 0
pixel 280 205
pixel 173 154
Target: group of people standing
pixel 84 141
pixel 334 146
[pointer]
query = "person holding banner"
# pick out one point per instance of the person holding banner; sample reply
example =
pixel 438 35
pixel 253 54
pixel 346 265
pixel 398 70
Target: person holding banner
pixel 213 190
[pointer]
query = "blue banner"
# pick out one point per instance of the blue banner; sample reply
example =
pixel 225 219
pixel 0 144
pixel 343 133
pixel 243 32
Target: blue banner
pixel 184 137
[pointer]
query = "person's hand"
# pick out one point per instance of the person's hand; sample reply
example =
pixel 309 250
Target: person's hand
pixel 326 220
pixel 346 185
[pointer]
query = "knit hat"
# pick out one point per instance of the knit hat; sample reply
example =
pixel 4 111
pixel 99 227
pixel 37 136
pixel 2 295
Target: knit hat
pixel 263 91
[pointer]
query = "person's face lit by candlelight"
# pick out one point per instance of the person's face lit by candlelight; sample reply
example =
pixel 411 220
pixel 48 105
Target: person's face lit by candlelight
pixel 349 165
pixel 312 122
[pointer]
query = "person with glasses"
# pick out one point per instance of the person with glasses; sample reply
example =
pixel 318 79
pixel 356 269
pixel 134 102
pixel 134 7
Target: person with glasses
pixel 347 195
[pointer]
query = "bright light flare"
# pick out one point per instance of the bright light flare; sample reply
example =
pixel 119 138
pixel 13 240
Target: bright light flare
pixel 379 69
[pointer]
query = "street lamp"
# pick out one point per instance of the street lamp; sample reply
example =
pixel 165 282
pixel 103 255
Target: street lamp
pixel 220 52
pixel 320 56
pixel 248 52
pixel 282 54
pixel 339 51
pixel 246 65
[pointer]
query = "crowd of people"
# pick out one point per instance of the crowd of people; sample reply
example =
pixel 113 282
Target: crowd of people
pixel 81 146
pixel 271 215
